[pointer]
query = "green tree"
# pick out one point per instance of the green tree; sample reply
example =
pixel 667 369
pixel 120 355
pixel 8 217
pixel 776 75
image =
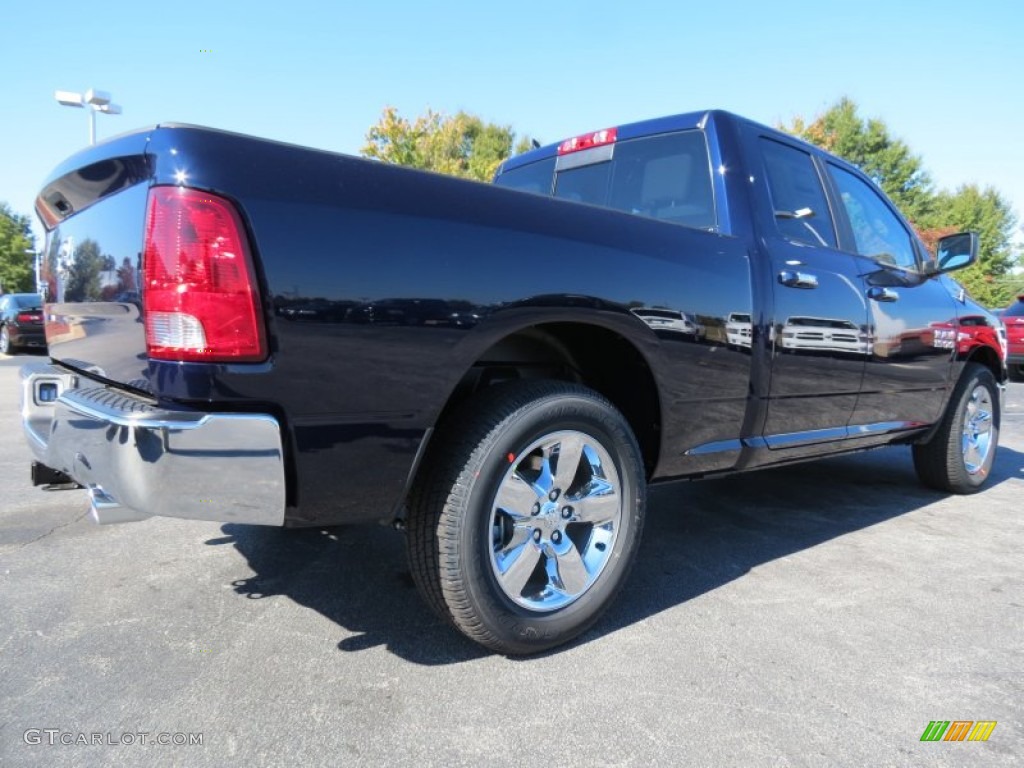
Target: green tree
pixel 989 214
pixel 16 245
pixel 868 144
pixel 900 173
pixel 458 145
pixel 83 281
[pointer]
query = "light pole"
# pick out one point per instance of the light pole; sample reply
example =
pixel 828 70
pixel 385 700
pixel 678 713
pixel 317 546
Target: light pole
pixel 65 258
pixel 35 260
pixel 95 101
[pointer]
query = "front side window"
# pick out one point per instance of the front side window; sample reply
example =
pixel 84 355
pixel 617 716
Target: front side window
pixel 801 208
pixel 877 231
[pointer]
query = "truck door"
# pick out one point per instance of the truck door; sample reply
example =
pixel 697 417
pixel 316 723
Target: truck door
pixel 913 318
pixel 818 332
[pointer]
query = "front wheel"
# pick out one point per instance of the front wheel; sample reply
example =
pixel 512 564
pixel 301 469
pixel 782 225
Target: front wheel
pixel 959 456
pixel 527 515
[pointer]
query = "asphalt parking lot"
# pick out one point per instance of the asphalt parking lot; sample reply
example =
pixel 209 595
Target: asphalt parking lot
pixel 821 614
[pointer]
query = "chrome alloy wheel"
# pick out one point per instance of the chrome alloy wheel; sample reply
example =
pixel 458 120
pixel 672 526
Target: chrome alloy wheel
pixel 554 520
pixel 977 433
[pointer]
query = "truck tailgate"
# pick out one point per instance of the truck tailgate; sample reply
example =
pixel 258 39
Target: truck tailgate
pixel 94 209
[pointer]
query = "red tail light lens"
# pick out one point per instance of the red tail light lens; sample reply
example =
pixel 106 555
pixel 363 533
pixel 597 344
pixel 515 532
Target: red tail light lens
pixel 199 291
pixel 28 317
pixel 588 141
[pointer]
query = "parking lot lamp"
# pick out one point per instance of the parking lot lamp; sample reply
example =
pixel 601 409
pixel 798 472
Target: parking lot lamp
pixel 92 100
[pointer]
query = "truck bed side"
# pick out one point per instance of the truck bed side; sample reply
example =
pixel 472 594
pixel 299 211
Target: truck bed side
pixel 385 289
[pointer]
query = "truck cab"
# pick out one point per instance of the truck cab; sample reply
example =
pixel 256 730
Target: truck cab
pixel 843 290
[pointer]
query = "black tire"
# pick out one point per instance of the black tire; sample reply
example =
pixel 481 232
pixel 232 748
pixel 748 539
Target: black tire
pixel 958 457
pixel 462 519
pixel 6 347
pixel 1014 372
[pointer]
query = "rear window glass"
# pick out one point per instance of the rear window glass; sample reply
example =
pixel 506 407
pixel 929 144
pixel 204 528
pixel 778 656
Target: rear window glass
pixel 665 177
pixel 27 301
pixel 587 184
pixel 1015 310
pixel 536 177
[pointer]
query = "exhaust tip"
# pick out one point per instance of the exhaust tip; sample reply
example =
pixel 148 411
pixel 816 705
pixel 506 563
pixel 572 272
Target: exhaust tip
pixel 104 509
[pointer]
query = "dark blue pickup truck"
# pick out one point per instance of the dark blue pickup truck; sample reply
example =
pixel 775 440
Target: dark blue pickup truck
pixel 246 331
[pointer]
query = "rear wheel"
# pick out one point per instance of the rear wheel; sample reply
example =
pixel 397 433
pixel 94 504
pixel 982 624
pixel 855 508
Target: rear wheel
pixel 959 456
pixel 526 519
pixel 6 347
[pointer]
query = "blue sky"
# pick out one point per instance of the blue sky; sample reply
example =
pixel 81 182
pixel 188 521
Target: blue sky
pixel 943 75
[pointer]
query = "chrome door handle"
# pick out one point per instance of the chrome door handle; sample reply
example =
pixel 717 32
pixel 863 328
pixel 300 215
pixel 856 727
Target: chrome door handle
pixel 795 279
pixel 883 294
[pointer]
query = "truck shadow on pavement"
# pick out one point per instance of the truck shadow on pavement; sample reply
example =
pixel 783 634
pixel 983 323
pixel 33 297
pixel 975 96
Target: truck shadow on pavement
pixel 698 536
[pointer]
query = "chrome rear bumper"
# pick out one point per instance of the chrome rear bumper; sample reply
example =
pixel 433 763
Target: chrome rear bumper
pixel 138 460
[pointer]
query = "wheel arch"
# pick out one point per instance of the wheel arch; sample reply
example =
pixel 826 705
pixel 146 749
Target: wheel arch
pixel 595 355
pixel 982 355
pixel 988 357
pixel 940 457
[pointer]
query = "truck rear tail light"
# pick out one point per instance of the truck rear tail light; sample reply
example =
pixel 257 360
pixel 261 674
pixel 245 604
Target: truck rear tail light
pixel 588 141
pixel 199 291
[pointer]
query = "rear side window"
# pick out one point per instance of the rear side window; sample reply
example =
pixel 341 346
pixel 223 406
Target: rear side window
pixel 801 208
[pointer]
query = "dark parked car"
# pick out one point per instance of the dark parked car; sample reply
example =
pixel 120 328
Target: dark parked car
pixel 21 322
pixel 1013 318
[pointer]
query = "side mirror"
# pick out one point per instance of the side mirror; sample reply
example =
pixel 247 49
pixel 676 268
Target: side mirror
pixel 956 251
